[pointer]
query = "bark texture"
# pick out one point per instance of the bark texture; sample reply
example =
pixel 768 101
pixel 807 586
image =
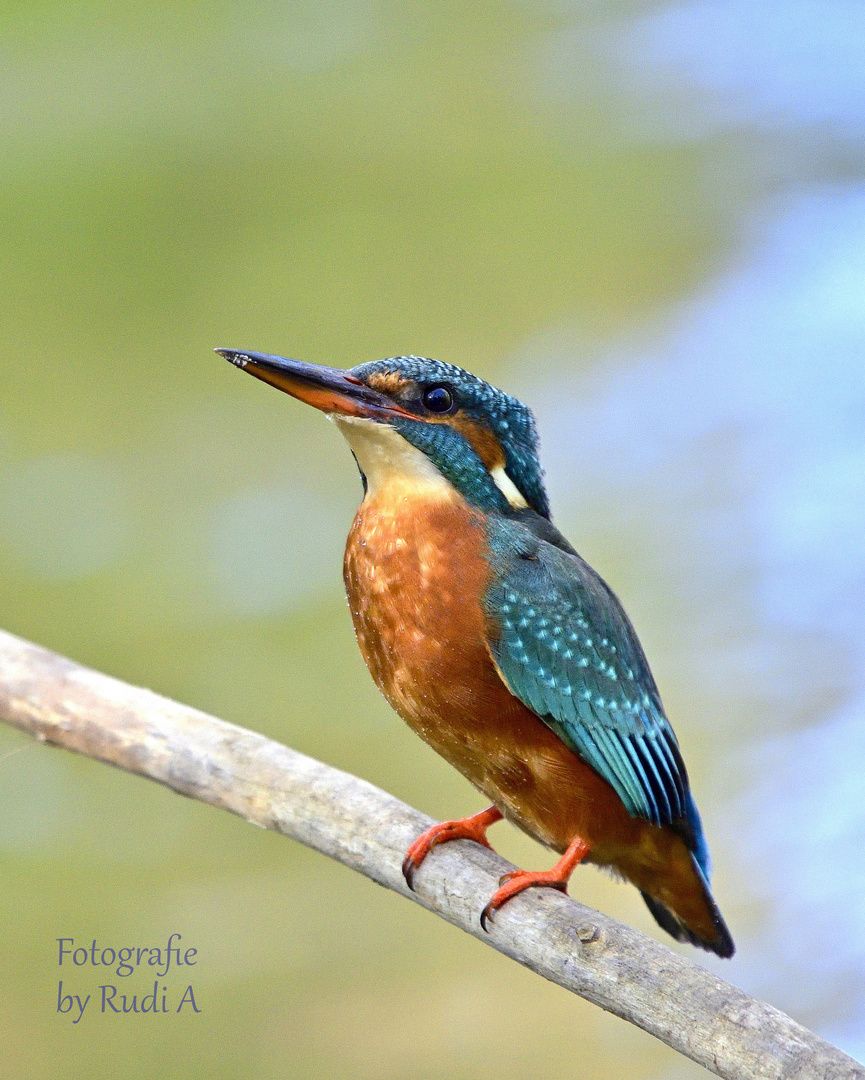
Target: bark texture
pixel 620 969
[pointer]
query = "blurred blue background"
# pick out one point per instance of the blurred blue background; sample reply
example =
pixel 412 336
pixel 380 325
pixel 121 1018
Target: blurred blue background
pixel 646 219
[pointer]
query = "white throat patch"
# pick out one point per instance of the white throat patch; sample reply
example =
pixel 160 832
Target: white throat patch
pixel 386 458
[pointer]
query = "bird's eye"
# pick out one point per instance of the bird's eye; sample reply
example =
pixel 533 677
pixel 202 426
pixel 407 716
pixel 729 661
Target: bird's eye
pixel 438 399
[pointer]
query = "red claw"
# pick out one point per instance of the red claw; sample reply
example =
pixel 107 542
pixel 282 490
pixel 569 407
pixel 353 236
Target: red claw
pixel 470 828
pixel 518 880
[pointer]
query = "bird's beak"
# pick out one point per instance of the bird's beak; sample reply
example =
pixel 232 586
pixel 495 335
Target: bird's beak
pixel 328 389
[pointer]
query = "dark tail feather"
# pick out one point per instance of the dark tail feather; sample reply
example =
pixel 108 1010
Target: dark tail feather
pixel 721 943
pixel 719 940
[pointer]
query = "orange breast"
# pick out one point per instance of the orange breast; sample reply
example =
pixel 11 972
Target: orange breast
pixel 415 573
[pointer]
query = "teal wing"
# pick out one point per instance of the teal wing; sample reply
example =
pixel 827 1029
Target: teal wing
pixel 565 647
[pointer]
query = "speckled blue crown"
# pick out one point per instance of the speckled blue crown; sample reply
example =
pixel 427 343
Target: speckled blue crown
pixel 509 419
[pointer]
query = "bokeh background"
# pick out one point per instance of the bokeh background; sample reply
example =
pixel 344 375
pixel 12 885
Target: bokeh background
pixel 645 218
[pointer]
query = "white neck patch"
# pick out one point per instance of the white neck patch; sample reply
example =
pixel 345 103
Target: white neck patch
pixel 386 458
pixel 508 488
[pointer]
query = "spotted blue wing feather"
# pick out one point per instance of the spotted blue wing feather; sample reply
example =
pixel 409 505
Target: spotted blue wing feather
pixel 565 647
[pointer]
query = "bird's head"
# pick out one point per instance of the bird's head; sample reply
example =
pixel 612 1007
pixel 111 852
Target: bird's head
pixel 418 421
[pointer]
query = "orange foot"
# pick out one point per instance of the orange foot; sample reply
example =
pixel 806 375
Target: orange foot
pixel 470 828
pixel 517 880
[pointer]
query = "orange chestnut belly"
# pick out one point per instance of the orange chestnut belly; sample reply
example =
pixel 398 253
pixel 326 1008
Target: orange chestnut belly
pixel 415 574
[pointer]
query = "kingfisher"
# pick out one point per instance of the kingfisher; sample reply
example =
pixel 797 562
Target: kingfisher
pixel 497 644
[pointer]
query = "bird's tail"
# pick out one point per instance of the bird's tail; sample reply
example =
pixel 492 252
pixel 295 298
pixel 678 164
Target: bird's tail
pixel 678 892
pixel 694 918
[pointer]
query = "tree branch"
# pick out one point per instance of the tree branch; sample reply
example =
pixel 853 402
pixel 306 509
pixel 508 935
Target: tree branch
pixel 270 785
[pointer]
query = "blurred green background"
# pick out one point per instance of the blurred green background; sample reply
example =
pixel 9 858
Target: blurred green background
pixel 540 193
